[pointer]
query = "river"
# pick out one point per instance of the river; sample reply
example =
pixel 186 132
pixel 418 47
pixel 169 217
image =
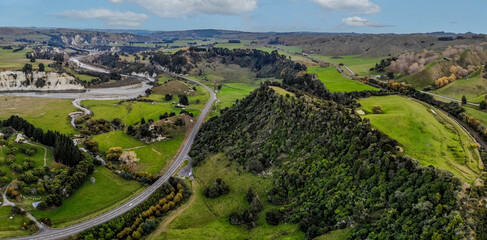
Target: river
pixel 114 93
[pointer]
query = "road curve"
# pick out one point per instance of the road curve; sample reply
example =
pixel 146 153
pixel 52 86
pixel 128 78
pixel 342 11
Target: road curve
pixel 62 233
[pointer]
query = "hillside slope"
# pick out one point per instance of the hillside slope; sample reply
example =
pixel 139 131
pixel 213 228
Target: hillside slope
pixel 332 171
pixel 422 70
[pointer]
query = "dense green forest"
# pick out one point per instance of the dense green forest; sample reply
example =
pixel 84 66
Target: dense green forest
pixel 333 171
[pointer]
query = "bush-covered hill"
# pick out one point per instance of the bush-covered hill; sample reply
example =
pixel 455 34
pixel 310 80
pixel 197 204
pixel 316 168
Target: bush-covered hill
pixel 332 170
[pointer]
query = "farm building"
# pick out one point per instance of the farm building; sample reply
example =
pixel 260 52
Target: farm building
pixel 20 138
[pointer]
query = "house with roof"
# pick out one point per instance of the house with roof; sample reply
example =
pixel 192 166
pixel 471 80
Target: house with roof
pixel 19 138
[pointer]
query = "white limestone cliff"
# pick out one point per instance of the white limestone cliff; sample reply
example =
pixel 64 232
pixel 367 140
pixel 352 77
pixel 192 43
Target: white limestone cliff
pixel 38 81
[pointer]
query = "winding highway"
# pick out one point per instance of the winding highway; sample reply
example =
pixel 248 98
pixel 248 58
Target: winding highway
pixel 46 233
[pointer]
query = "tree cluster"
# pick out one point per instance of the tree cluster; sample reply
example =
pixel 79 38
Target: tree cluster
pixel 148 132
pixel 96 126
pixel 178 62
pixel 143 219
pixel 45 53
pixel 62 182
pixel 248 217
pixel 64 149
pixel 384 63
pixel 113 61
pixel 263 63
pixel 218 188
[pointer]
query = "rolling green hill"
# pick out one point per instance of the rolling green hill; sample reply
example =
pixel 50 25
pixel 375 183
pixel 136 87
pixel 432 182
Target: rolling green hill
pixel 335 82
pixel 474 87
pixel 425 135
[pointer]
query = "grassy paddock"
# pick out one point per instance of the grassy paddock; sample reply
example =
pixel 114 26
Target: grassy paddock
pixel 336 235
pixel 10 60
pixel 208 218
pixel 433 139
pixel 282 91
pixel 473 87
pixel 45 113
pixel 230 92
pixel 129 112
pixel 231 45
pixel 335 82
pixel 477 114
pixel 116 139
pixel 153 157
pixel 359 65
pixel 11 227
pixel 108 190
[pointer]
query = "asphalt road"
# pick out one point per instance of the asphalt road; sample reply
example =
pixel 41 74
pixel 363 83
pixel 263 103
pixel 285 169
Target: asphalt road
pixel 60 233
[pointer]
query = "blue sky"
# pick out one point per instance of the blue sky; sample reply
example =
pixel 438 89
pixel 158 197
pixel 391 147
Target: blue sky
pixel 366 16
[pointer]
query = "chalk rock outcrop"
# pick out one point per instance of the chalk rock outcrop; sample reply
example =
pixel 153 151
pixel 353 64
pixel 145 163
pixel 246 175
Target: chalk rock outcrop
pixel 38 81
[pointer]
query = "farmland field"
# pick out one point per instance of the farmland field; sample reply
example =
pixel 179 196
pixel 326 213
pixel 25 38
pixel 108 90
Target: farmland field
pixel 431 138
pixel 116 139
pixel 359 65
pixel 207 218
pixel 82 77
pixel 130 112
pixel 153 157
pixel 294 49
pixel 230 92
pixel 163 78
pixel 108 190
pixel 231 45
pixel 473 87
pixel 11 227
pixel 10 60
pixel 48 113
pixel 283 91
pixel 335 82
pixel 477 114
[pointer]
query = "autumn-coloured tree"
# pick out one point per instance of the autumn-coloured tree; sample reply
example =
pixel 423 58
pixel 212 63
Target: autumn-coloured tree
pixel 114 153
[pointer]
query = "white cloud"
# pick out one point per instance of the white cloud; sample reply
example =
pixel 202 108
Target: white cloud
pixel 351 6
pixel 109 17
pixel 360 22
pixel 179 8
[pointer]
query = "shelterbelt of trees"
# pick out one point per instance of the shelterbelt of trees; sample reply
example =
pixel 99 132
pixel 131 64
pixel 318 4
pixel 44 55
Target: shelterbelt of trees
pixel 143 219
pixel 66 181
pixel 333 171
